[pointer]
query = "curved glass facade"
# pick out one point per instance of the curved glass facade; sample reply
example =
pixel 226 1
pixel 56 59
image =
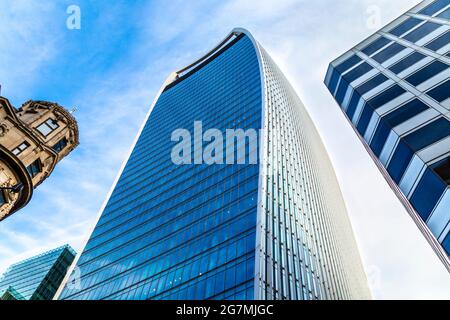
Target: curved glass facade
pixel 194 231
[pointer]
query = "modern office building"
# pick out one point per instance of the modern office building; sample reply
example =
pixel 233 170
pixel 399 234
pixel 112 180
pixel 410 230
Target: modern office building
pixel 37 278
pixel 394 89
pixel 274 229
pixel 33 139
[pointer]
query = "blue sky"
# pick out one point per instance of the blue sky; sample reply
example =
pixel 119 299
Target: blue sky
pixel 112 68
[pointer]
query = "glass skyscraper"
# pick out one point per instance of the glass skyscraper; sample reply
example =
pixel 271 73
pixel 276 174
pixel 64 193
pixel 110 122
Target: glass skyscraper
pixel 37 278
pixel 277 229
pixel 394 88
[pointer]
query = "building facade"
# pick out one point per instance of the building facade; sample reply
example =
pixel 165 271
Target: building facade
pixel 394 89
pixel 33 139
pixel 275 229
pixel 37 278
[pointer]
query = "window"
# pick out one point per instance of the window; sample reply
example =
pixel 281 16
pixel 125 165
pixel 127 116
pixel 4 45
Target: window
pixel 375 46
pixel 407 62
pixel 446 243
pixel 354 101
pixel 388 53
pixel 441 92
pixel 347 64
pixel 422 31
pixel 442 169
pixel 61 144
pixel 434 7
pixel 371 84
pixel 341 91
pixel 439 42
pixel 445 14
pixel 2 198
pixel 47 127
pixel 20 148
pixel 364 119
pixel 404 113
pixel 429 134
pixel 359 71
pixel 400 161
pixel 34 168
pixel 386 96
pixel 405 26
pixel 427 72
pixel 380 137
pixel 427 194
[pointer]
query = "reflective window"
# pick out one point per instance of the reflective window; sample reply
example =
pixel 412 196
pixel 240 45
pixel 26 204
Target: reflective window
pixel 386 96
pixel 427 194
pixel 364 120
pixel 429 134
pixel 439 42
pixel 400 161
pixel 405 112
pixel 341 91
pixel 407 62
pixel 445 14
pixel 2 198
pixel 357 72
pixel 442 169
pixel 20 148
pixel 446 243
pixel 389 52
pixel 333 80
pixel 421 31
pixel 34 168
pixel 375 46
pixel 434 7
pixel 441 92
pixel 347 64
pixel 379 138
pixel 60 145
pixel 354 101
pixel 47 127
pixel 405 26
pixel 427 72
pixel 371 84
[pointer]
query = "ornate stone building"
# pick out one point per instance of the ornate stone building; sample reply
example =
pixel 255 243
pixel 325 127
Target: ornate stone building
pixel 33 139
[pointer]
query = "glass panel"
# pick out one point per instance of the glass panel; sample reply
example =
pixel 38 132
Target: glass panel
pixel 371 84
pixel 407 62
pixel 427 194
pixel 441 92
pixel 347 64
pixel 375 46
pixel 445 14
pixel 439 42
pixel 434 7
pixel 405 26
pixel 427 72
pixel 442 169
pixel 44 129
pixel 429 134
pixel 357 72
pixel 400 161
pixel 405 113
pixel 389 52
pixel 386 96
pixel 422 31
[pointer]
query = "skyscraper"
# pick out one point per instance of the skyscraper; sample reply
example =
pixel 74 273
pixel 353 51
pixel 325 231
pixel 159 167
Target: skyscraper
pixel 274 229
pixel 36 278
pixel 394 89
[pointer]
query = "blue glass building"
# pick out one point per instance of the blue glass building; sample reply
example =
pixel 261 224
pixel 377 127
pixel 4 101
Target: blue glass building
pixel 276 229
pixel 394 88
pixel 37 278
